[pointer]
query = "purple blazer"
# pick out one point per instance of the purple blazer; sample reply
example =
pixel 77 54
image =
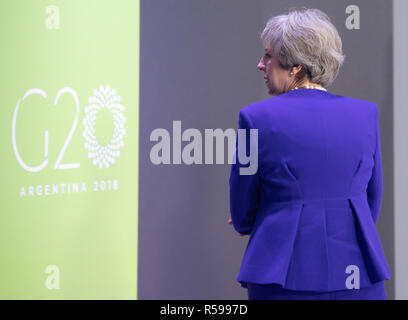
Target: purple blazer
pixel 312 206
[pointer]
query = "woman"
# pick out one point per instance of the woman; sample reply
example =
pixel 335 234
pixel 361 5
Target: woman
pixel 311 207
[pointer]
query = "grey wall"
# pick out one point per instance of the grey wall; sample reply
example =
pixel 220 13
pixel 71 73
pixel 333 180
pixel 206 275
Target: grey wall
pixel 400 147
pixel 198 65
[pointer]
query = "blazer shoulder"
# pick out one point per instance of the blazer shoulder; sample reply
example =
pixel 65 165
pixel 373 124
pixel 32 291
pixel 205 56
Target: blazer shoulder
pixel 360 102
pixel 364 107
pixel 374 107
pixel 256 109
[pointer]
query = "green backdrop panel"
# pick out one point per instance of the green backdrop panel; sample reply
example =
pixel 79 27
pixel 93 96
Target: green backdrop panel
pixel 69 149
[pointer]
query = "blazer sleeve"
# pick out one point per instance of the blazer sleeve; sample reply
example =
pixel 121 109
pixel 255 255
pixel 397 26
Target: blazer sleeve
pixel 375 184
pixel 244 189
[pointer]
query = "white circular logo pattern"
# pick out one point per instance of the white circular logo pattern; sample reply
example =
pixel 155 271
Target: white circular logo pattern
pixel 105 97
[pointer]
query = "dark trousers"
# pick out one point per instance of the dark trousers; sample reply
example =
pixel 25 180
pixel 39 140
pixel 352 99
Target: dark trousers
pixel 276 292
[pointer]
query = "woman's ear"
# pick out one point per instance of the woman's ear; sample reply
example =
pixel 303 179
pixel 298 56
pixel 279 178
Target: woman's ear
pixel 296 68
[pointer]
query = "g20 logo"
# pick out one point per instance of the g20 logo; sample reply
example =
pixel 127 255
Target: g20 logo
pixel 102 155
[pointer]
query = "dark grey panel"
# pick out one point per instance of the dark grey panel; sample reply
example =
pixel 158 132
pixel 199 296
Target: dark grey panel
pixel 198 65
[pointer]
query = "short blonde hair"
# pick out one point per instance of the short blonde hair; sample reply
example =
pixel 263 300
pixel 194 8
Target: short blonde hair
pixel 305 37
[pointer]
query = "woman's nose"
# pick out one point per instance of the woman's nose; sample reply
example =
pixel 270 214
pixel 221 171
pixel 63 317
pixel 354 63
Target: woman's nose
pixel 261 65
